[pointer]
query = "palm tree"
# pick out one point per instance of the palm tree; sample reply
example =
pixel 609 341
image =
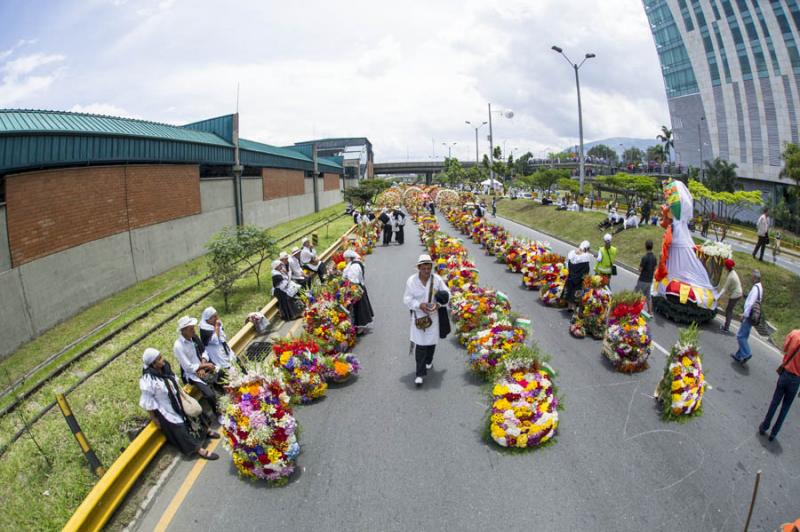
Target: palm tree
pixel 720 175
pixel 666 138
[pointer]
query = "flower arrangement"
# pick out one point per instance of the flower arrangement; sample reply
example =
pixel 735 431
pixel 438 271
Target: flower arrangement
pixel 302 367
pixel 329 321
pixel 554 277
pixel 514 255
pixel 446 247
pixel 476 307
pixel 627 342
pixel 592 310
pixel 258 427
pixel 713 255
pixel 524 411
pixel 683 385
pixel 532 275
pixel 340 367
pixel 487 347
pixel 446 198
pixel 389 198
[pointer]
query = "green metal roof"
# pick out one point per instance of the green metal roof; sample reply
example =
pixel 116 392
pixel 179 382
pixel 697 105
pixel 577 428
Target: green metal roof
pixel 16 121
pixel 260 147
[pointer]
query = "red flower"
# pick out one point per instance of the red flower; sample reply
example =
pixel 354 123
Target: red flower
pixel 263 459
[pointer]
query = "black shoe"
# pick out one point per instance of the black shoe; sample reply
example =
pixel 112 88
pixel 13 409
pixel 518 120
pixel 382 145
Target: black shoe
pixel 771 437
pixel 761 431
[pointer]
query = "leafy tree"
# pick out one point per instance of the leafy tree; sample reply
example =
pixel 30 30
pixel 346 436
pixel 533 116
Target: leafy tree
pixel 656 153
pixel 729 204
pixel 521 165
pixel 629 185
pixel 666 139
pixel 224 254
pixel 545 178
pixel 602 151
pixel 366 191
pixel 632 156
pixel 720 175
pixel 568 184
pixel 256 245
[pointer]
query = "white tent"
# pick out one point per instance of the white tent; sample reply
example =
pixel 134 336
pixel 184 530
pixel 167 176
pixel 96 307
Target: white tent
pixel 491 183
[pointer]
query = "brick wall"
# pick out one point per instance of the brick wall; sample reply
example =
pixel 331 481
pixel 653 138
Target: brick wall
pixel 54 210
pixel 160 193
pixel 331 182
pixel 280 183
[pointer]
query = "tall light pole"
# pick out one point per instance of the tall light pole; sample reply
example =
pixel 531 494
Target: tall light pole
pixel 507 114
pixel 449 146
pixel 576 67
pixel 477 159
pixel 700 147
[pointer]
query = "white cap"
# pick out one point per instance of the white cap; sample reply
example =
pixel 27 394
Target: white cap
pixel 350 254
pixel 283 255
pixel 585 245
pixel 424 259
pixel 295 250
pixel 186 321
pixel 305 240
pixel 150 355
pixel 607 237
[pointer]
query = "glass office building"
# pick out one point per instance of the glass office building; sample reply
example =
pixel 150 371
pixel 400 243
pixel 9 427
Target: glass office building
pixel 731 72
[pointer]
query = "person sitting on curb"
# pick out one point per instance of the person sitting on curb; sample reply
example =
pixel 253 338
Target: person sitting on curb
pixel 160 396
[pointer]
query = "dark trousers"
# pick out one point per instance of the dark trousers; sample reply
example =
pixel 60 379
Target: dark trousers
pixel 729 311
pixel 400 235
pixel 208 393
pixel 762 245
pixel 785 391
pixel 387 235
pixel 424 355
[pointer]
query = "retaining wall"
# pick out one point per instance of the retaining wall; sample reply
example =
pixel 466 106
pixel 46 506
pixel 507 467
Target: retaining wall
pixel 38 293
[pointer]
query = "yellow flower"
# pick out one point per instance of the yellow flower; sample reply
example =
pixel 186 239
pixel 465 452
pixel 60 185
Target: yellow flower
pixel 502 404
pixel 522 440
pixel 497 432
pixel 273 455
pixel 499 390
pixel 285 357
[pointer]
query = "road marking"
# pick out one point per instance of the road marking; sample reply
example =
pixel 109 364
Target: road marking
pixel 183 491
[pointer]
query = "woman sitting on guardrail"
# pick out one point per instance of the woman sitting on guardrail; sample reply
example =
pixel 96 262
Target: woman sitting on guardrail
pixel 212 334
pixel 285 291
pixel 161 398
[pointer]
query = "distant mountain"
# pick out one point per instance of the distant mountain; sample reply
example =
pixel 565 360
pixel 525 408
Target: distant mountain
pixel 614 144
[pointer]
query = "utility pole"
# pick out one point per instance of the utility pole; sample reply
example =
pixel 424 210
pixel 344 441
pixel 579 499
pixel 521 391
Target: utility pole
pixel 491 148
pixel 316 173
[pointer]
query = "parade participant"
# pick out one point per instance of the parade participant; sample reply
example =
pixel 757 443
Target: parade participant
pixel 647 268
pixel 751 316
pixel 212 334
pixel 494 206
pixel 285 291
pixel 354 272
pixel 357 216
pixel 370 216
pixel 432 208
pixel 787 386
pixel 762 230
pixel 605 259
pixel 423 290
pixel 733 289
pixel 479 211
pixel 296 269
pixel 309 260
pixel 398 221
pixel 776 247
pixel 160 396
pixel 196 369
pixel 386 222
pixel 578 262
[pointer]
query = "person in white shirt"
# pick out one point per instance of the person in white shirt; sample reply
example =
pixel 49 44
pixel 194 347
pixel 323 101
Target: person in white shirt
pixel 160 397
pixel 425 292
pixel 762 230
pixel 756 295
pixel 309 260
pixel 733 289
pixel 196 369
pixel 285 291
pixel 398 222
pixel 212 334
pixel 296 269
pixel 362 309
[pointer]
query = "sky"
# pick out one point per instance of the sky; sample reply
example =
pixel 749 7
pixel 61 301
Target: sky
pixel 406 74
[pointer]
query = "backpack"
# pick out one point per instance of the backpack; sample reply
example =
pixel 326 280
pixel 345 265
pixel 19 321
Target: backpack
pixel 755 311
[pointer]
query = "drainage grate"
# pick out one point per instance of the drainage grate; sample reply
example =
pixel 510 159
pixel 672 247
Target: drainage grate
pixel 258 350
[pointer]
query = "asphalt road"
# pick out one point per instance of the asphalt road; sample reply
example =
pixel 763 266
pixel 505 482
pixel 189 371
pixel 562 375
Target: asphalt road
pixel 378 454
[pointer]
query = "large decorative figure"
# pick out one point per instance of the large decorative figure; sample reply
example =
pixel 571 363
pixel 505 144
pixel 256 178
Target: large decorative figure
pixel 681 280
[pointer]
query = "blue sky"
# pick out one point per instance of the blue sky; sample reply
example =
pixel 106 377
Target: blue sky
pixel 405 74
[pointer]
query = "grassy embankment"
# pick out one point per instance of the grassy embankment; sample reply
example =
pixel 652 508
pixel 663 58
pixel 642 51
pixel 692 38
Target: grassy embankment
pixel 781 307
pixel 38 497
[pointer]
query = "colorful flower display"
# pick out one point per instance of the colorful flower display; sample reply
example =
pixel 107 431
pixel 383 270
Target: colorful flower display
pixel 524 411
pixel 553 277
pixel 340 367
pixel 329 321
pixel 532 274
pixel 627 343
pixel 302 367
pixel 592 310
pixel 682 387
pixel 487 347
pixel 258 427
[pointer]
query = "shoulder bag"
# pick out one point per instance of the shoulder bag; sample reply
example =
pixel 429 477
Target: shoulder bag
pixel 782 367
pixel 425 322
pixel 190 405
pixel 755 310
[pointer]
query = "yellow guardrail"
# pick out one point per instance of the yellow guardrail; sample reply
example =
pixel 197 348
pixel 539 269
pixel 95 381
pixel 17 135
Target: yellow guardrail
pixel 101 503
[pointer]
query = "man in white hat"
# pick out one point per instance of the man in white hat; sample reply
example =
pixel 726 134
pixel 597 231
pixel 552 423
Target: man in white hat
pixel 296 269
pixel 578 262
pixel 362 309
pixel 195 366
pixel 309 260
pixel 606 258
pixel 423 290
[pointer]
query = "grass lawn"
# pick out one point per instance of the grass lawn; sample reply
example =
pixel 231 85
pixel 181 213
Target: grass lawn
pixel 38 497
pixel 780 285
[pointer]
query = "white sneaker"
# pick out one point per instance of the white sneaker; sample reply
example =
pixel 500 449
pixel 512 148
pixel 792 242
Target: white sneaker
pixel 429 366
pixel 418 381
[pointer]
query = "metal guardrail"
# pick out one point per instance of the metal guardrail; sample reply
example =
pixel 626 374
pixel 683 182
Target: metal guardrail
pixel 109 492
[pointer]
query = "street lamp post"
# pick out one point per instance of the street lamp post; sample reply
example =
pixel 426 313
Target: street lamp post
pixel 477 159
pixel 507 114
pixel 449 146
pixel 576 67
pixel 700 147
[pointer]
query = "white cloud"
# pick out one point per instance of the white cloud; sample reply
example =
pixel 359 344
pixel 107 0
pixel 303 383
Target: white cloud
pixel 402 75
pixel 23 78
pixel 98 108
